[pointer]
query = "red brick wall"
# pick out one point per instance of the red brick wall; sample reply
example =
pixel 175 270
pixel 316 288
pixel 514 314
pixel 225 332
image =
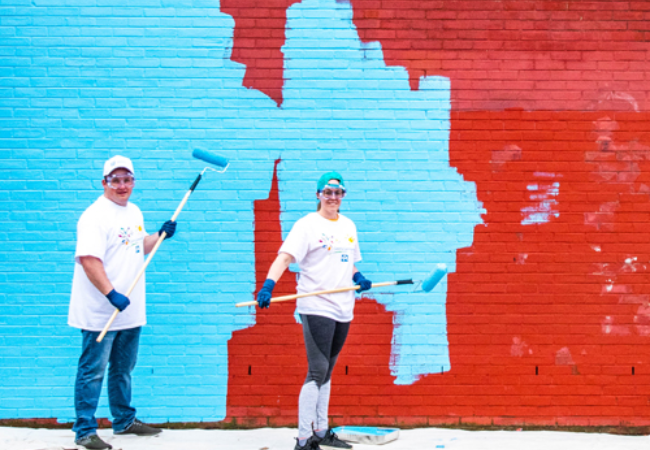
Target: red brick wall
pixel 548 324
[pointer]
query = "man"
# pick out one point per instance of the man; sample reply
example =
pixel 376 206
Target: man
pixel 111 244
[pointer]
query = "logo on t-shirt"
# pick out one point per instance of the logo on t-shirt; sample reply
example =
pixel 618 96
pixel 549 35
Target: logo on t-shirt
pixel 326 242
pixel 126 235
pixel 336 245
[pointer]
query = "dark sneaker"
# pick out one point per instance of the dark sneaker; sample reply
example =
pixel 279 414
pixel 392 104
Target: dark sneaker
pixel 140 429
pixel 311 444
pixel 331 440
pixel 93 442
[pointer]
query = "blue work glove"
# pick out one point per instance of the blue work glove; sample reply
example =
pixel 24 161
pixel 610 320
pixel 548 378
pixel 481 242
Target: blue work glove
pixel 168 227
pixel 265 294
pixel 364 284
pixel 118 300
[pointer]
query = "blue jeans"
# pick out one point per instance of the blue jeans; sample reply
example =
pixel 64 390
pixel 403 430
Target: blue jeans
pixel 120 348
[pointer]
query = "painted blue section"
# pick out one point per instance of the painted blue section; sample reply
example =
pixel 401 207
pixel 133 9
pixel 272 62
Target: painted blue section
pixel 153 81
pixel 391 144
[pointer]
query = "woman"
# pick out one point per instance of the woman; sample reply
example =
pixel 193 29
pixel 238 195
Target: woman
pixel 325 246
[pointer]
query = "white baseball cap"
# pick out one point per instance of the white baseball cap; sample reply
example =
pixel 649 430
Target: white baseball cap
pixel 118 162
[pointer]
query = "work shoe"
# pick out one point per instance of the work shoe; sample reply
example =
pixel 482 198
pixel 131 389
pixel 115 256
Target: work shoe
pixel 92 442
pixel 331 440
pixel 140 429
pixel 311 444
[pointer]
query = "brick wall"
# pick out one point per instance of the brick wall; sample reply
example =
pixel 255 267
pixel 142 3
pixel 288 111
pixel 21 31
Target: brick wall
pixel 506 139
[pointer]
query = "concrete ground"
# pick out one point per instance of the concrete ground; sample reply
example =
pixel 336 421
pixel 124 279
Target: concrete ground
pixel 283 439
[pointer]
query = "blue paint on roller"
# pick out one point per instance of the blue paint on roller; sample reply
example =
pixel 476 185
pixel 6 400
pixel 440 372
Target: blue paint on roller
pixel 434 278
pixel 210 157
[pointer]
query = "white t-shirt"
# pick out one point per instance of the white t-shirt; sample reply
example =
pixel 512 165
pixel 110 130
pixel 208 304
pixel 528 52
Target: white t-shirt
pixel 114 234
pixel 325 251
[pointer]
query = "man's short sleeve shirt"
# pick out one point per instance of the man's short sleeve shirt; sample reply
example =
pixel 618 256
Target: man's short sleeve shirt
pixel 115 235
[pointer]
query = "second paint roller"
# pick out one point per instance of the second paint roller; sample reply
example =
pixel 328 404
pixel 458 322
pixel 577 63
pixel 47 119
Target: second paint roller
pixel 427 285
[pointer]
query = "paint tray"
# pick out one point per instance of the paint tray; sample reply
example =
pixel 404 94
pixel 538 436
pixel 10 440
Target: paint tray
pixel 367 435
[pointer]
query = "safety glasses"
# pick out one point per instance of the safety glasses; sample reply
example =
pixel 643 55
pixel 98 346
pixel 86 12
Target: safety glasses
pixel 115 181
pixel 329 193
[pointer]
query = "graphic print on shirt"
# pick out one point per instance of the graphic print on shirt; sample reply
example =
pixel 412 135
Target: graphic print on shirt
pixel 326 242
pixel 335 246
pixel 127 238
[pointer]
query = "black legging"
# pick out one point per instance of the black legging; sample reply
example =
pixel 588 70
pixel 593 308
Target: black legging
pixel 324 339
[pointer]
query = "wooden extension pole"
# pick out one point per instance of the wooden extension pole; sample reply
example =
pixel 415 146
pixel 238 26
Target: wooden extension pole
pixel 327 291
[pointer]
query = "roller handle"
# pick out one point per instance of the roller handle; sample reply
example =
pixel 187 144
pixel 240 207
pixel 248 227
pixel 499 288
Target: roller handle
pixel 327 291
pixel 149 258
pixel 195 183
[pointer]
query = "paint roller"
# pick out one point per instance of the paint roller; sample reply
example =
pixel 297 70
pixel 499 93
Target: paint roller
pixel 427 285
pixel 203 155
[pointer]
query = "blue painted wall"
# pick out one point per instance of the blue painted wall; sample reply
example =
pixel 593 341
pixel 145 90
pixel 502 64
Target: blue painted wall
pixel 81 81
